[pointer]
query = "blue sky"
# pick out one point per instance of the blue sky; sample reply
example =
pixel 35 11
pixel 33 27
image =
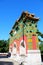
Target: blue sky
pixel 10 11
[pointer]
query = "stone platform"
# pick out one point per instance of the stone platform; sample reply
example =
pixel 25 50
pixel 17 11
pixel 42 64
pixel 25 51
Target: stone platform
pixel 32 58
pixel 16 62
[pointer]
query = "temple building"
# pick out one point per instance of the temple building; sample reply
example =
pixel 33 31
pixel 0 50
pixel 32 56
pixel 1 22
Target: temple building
pixel 24 36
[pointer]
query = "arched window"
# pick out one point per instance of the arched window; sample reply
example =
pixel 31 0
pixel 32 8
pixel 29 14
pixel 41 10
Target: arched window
pixel 14 48
pixel 22 47
pixel 22 44
pixel 14 45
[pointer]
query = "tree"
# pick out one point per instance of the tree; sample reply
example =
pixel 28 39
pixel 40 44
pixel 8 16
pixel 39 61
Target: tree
pixel 4 46
pixel 41 42
pixel 41 46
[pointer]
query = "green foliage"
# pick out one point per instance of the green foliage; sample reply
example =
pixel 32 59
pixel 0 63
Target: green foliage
pixel 41 46
pixel 4 46
pixel 39 33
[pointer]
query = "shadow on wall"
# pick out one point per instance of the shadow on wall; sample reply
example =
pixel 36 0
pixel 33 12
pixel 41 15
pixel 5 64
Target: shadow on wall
pixel 6 63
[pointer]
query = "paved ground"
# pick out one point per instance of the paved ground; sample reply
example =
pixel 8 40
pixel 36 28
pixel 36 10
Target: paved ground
pixel 5 61
pixel 8 61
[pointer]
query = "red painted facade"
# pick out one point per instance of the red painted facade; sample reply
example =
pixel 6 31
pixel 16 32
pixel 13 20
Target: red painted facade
pixel 34 42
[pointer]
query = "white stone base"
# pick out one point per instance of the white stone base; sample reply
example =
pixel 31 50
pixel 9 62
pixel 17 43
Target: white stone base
pixel 33 58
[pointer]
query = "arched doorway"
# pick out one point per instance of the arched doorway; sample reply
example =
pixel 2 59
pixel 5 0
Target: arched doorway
pixel 15 48
pixel 22 47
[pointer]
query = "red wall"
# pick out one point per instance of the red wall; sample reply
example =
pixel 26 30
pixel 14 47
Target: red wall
pixel 34 42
